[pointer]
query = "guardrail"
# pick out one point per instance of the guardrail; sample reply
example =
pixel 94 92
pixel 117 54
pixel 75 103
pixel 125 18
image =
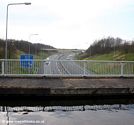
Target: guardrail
pixel 66 68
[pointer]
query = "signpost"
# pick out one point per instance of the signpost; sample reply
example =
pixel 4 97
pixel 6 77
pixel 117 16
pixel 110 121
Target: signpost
pixel 26 60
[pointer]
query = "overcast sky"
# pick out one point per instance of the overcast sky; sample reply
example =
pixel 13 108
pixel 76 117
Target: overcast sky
pixel 68 23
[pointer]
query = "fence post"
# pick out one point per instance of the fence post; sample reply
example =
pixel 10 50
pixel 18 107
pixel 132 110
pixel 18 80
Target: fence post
pixel 3 67
pixel 84 68
pixel 44 67
pixel 122 66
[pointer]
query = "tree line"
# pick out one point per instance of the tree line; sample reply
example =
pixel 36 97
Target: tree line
pixel 108 45
pixel 21 45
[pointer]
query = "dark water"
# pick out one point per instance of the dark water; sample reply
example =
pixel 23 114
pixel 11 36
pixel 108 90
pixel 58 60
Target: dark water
pixel 67 112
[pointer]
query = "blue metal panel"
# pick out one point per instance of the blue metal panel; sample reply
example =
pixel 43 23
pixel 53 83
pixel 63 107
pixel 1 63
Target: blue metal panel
pixel 26 61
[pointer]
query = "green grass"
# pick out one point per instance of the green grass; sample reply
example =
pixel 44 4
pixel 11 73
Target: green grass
pixel 117 56
pixel 15 66
pixel 111 68
pixel 101 57
pixel 40 55
pixel 18 69
pixel 130 57
pixel 104 68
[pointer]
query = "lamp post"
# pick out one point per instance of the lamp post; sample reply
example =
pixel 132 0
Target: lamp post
pixel 7 23
pixel 29 40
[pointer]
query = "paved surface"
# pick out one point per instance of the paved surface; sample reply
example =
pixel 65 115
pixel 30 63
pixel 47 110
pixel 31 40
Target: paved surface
pixel 63 65
pixel 66 83
pixel 66 87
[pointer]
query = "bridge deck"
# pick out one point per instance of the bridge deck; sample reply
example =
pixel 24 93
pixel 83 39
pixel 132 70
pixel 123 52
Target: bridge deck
pixel 66 86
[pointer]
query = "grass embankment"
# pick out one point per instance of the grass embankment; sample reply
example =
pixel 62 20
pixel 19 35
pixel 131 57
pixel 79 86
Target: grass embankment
pixel 40 55
pixel 117 56
pixel 111 68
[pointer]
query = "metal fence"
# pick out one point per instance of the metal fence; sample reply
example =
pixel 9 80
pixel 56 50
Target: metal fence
pixel 65 68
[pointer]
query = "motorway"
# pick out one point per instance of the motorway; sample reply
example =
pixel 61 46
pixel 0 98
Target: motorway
pixel 62 64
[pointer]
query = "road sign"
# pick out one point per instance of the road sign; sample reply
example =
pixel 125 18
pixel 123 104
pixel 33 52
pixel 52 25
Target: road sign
pixel 26 61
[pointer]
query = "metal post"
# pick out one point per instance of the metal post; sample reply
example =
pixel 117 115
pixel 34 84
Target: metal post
pixel 84 68
pixel 44 67
pixel 122 66
pixel 3 67
pixel 6 32
pixel 7 24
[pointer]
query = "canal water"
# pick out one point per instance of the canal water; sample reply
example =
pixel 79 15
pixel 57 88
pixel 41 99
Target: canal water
pixel 67 112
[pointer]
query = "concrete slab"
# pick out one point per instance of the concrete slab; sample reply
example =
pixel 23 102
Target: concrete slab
pixel 66 86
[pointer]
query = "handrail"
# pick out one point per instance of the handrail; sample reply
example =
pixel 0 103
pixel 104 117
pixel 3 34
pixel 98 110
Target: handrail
pixel 80 68
pixel 105 61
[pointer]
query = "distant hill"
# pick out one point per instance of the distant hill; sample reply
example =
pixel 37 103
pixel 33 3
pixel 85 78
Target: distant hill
pixel 17 47
pixel 109 49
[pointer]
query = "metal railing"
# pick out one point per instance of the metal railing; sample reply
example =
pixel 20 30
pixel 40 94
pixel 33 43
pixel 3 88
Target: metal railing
pixel 65 68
